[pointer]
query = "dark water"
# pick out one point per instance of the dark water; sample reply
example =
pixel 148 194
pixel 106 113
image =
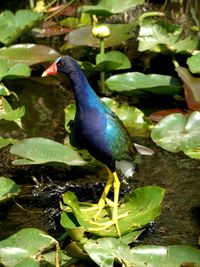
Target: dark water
pixel 179 222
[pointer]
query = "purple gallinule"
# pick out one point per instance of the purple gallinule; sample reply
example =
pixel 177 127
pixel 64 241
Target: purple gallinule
pixel 100 131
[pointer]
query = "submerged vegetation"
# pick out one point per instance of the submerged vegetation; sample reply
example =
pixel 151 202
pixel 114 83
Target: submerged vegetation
pixel 135 54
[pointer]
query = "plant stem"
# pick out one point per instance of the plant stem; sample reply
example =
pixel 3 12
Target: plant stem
pixel 102 74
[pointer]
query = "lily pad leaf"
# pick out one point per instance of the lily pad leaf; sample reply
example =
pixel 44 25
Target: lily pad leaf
pixel 141 206
pixel 83 36
pixel 194 63
pixel 23 246
pixel 161 36
pixel 175 133
pixel 13 26
pixel 113 60
pixel 105 251
pixel 6 141
pixel 160 256
pixel 8 189
pixel 8 114
pixel 28 54
pixel 109 7
pixel 191 88
pixel 41 150
pixel 131 83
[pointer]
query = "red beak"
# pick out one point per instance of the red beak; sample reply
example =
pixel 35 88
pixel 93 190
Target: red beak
pixel 51 70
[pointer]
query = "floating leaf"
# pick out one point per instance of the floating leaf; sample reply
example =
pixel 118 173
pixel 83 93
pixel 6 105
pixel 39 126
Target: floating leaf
pixel 13 26
pixel 113 60
pixel 191 88
pixel 28 54
pixel 105 251
pixel 8 114
pixel 27 245
pixel 131 83
pixel 194 63
pixel 193 153
pixel 175 133
pixel 109 7
pixel 161 36
pixel 14 71
pixel 6 141
pixel 141 206
pixel 41 150
pixel 84 37
pixel 157 116
pixel 8 189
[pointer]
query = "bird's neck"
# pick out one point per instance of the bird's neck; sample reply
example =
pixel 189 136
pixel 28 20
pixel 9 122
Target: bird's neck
pixel 84 95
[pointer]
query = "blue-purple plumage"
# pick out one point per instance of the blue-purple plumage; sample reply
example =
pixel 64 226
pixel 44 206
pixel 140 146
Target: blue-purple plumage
pixel 96 127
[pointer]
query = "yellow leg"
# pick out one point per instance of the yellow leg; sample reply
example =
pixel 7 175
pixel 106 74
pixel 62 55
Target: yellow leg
pixel 102 201
pixel 116 186
pixel 113 180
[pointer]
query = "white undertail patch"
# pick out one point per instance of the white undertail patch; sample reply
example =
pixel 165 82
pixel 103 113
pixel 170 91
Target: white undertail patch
pixel 126 167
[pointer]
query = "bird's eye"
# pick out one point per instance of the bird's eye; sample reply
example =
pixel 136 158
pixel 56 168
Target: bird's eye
pixel 60 64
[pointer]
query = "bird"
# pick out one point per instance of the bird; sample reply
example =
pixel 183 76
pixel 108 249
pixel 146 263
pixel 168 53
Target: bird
pixel 98 129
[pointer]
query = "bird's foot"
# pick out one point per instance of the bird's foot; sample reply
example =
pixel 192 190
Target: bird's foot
pixel 105 225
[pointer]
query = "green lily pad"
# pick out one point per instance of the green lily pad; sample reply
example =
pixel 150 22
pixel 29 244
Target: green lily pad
pixel 131 83
pixel 8 114
pixel 84 37
pixel 194 63
pixel 109 7
pixel 176 133
pixel 41 150
pixel 113 60
pixel 133 118
pixel 17 70
pixel 6 141
pixel 105 251
pixel 13 26
pixel 141 206
pixel 8 189
pixel 162 36
pixel 28 54
pixel 4 90
pixel 25 246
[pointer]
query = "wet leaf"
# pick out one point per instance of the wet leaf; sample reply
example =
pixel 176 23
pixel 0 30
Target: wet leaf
pixel 109 7
pixel 28 54
pixel 162 36
pixel 10 72
pixel 41 150
pixel 105 251
pixel 6 141
pixel 4 90
pixel 27 245
pixel 9 114
pixel 113 60
pixel 191 88
pixel 194 63
pixel 84 37
pixel 131 83
pixel 176 133
pixel 160 256
pixel 193 153
pixel 13 26
pixel 141 206
pixel 157 116
pixel 8 189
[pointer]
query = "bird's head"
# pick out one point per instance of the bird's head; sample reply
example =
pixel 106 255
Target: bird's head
pixel 64 64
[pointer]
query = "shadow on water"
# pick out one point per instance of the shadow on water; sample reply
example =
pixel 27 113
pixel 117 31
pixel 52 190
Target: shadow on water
pixel 179 222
